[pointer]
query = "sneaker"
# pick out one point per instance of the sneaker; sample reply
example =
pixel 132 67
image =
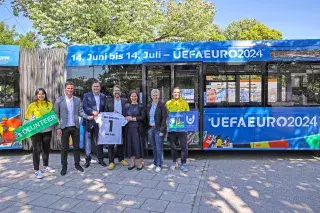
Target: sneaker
pixel 174 166
pixel 158 169
pixel 184 167
pixel 79 168
pixel 124 163
pixel 111 166
pixel 48 169
pixel 38 174
pixel 152 166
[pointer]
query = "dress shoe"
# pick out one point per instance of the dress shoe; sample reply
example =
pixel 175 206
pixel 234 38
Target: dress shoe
pixel 87 164
pixel 102 163
pixel 79 168
pixel 63 171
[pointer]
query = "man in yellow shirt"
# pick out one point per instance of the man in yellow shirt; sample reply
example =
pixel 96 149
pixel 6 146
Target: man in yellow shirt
pixel 177 104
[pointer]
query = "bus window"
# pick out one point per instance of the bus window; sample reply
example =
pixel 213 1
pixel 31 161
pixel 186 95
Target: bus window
pixel 159 77
pixel 186 78
pixel 9 88
pixel 220 88
pixel 294 84
pixel 128 77
pixel 250 88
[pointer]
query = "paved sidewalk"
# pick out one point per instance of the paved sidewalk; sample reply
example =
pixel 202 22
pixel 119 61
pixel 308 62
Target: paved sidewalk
pixel 216 182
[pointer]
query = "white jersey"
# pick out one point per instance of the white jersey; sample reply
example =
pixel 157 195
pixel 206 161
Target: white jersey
pixel 110 127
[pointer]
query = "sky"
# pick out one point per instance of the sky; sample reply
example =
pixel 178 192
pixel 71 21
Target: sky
pixel 296 19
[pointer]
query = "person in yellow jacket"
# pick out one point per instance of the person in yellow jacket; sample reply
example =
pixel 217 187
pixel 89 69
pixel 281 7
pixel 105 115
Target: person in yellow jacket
pixel 177 104
pixel 40 141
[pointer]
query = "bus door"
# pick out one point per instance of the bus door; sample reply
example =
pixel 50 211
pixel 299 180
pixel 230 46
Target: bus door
pixel 167 76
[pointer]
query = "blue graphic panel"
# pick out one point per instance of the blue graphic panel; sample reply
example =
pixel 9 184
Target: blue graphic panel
pixel 9 55
pixel 223 51
pixel 183 121
pixel 9 120
pixel 258 127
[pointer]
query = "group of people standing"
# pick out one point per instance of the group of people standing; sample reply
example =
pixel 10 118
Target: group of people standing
pixel 140 121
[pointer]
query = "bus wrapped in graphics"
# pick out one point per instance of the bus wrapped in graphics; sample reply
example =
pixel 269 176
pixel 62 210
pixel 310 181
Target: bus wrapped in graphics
pixel 248 94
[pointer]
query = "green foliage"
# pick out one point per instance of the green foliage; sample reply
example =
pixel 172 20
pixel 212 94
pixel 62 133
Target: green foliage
pixel 121 21
pixel 250 29
pixel 260 32
pixel 10 36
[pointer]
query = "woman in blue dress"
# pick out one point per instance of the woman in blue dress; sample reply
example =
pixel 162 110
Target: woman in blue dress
pixel 135 114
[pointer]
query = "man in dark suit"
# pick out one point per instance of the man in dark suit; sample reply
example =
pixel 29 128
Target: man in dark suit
pixel 116 104
pixel 68 109
pixel 93 103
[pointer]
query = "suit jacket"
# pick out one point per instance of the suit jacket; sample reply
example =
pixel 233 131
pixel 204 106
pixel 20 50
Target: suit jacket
pixel 90 105
pixel 160 117
pixel 109 105
pixel 141 118
pixel 61 109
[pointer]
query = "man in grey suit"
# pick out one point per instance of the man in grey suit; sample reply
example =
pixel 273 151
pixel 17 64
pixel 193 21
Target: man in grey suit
pixel 68 109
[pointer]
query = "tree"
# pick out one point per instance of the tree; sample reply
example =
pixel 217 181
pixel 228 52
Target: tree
pixel 260 32
pixel 10 36
pixel 121 21
pixel 250 29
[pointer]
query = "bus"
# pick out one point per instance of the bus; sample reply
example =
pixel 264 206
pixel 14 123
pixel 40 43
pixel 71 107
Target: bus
pixel 9 96
pixel 250 95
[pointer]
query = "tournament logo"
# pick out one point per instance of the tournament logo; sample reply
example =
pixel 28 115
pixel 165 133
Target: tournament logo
pixel 190 120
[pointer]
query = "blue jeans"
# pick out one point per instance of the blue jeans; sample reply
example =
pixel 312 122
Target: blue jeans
pixel 156 142
pixel 89 136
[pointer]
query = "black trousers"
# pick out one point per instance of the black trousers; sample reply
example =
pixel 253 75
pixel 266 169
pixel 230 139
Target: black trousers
pixel 120 150
pixel 41 142
pixel 112 154
pixel 93 136
pixel 174 137
pixel 74 132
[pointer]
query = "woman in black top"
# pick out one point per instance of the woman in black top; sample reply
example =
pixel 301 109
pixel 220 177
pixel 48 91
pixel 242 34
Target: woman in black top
pixel 135 114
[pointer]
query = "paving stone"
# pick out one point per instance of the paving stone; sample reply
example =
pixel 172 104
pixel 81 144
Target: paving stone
pixel 45 200
pixel 106 208
pixel 17 208
pixel 195 181
pixel 110 198
pixel 130 190
pixel 174 207
pixel 71 192
pixel 150 193
pixel 131 182
pixel 144 175
pixel 27 196
pixel 92 196
pixel 10 194
pixel 37 209
pixel 154 205
pixel 129 174
pixel 113 179
pixel 168 186
pixel 172 196
pixel 112 187
pixel 189 198
pixel 3 189
pixel 37 187
pixel 82 183
pixel 21 184
pixel 132 201
pixel 86 207
pixel 131 210
pixel 65 204
pixel 54 189
pixel 5 204
pixel 187 188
